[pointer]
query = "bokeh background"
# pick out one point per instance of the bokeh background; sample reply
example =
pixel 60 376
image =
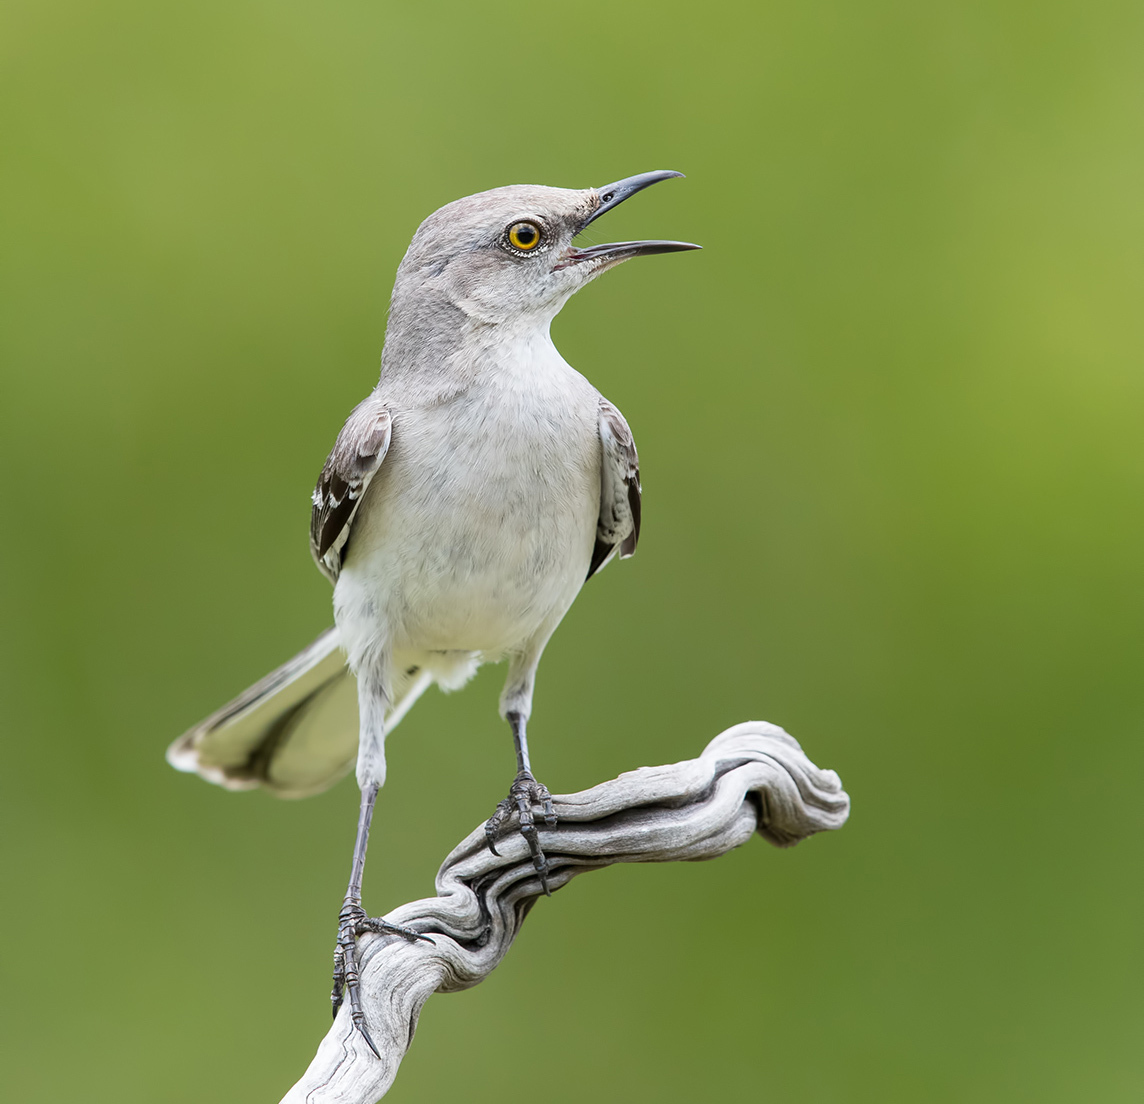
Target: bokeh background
pixel 890 426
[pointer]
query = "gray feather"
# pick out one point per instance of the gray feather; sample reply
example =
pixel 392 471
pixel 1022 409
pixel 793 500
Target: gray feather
pixel 357 454
pixel 619 523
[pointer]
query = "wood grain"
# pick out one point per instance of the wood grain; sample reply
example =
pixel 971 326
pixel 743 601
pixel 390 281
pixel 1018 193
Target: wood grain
pixel 751 778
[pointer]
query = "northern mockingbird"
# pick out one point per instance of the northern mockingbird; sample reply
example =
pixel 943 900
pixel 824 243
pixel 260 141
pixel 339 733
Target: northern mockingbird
pixel 464 504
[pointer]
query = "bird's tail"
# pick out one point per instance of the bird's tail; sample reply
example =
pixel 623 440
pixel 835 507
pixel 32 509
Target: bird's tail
pixel 295 732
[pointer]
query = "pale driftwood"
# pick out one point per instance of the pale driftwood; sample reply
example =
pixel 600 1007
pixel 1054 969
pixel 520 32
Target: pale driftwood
pixel 753 777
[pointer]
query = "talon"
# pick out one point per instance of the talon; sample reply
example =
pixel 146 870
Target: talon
pixel 540 863
pixel 549 811
pixel 383 927
pixel 369 1041
pixel 494 824
pixel 353 922
pixel 339 979
pixel 524 794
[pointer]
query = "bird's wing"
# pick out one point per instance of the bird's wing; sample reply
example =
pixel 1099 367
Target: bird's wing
pixel 619 524
pixel 357 454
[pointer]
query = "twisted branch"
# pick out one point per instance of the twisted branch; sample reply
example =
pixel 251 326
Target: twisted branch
pixel 753 777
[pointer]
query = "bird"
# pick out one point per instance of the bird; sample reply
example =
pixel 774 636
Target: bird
pixel 465 502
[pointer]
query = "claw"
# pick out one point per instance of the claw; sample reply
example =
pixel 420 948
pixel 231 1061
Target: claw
pixel 543 873
pixel 352 922
pixel 383 927
pixel 496 822
pixel 524 793
pixel 369 1041
pixel 339 979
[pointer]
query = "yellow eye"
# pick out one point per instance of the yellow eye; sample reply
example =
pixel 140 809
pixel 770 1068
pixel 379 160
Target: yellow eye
pixel 524 235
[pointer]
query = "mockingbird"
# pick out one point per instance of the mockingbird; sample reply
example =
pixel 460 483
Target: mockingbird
pixel 464 504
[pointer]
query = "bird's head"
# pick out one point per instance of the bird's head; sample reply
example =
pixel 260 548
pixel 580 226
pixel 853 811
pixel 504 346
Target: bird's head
pixel 507 254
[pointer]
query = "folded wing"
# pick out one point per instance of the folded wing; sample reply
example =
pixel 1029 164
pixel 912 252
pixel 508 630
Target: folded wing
pixel 619 523
pixel 357 454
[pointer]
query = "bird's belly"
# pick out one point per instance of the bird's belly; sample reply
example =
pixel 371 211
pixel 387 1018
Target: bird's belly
pixel 478 552
pixel 481 591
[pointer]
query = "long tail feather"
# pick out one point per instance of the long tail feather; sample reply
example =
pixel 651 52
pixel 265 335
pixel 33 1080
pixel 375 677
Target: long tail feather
pixel 295 732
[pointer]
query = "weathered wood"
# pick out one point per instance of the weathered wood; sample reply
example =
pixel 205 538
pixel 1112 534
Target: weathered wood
pixel 753 777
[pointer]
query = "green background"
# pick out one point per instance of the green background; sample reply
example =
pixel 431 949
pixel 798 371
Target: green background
pixel 890 428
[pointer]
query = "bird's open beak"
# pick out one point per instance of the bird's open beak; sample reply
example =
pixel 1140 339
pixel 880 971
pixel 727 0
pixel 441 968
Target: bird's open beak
pixel 612 195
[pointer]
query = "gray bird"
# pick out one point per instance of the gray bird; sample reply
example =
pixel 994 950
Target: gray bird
pixel 465 502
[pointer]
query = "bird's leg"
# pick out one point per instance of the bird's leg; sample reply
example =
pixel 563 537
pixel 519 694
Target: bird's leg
pixel 523 794
pixel 352 922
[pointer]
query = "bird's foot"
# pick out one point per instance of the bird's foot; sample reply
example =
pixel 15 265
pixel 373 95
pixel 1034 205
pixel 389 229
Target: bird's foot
pixel 352 922
pixel 523 794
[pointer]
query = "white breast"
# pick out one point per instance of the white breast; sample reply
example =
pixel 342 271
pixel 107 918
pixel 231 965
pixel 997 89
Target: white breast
pixel 479 526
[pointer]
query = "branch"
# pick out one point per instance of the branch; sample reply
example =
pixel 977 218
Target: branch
pixel 753 777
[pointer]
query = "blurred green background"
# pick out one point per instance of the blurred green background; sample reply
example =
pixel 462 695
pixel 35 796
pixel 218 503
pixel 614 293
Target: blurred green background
pixel 890 426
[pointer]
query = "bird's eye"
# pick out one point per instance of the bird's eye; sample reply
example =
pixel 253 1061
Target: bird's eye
pixel 524 236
